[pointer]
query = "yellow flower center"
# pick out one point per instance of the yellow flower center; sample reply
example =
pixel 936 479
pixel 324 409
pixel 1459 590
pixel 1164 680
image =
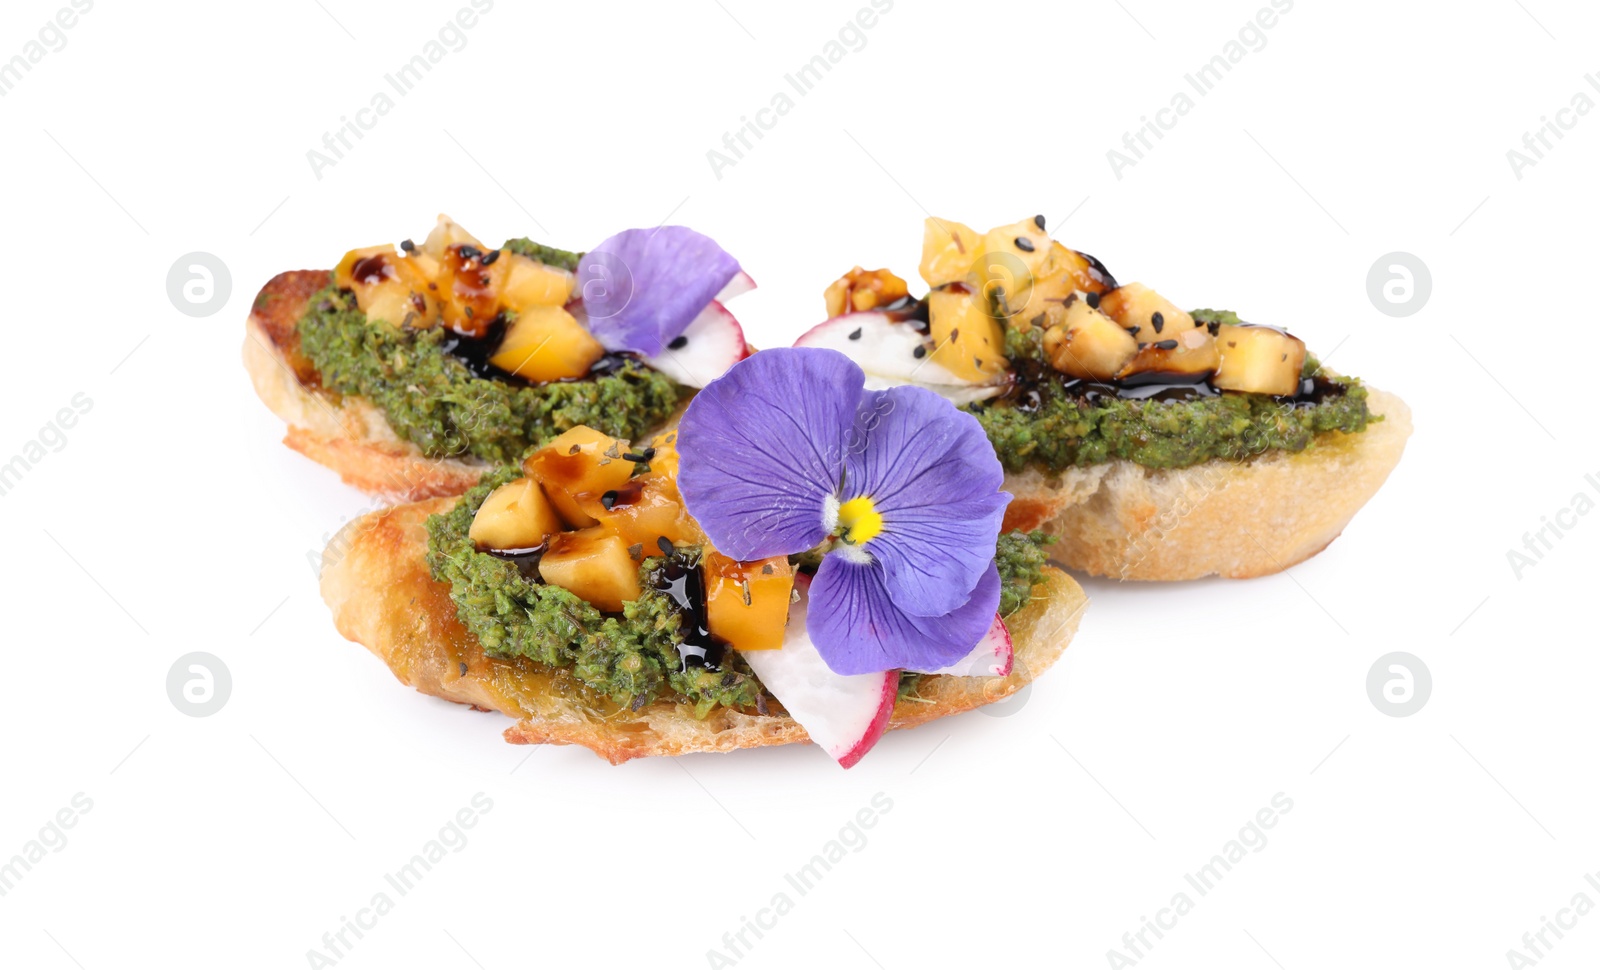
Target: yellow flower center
pixel 859 520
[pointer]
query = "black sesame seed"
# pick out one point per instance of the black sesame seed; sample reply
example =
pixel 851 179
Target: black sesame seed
pixel 1132 331
pixel 608 500
pixel 470 252
pixel 920 353
pixel 1039 221
pixel 1215 327
pixel 855 334
pixel 678 343
pixel 1025 244
pixel 1157 321
pixel 635 457
pixel 1093 299
pixel 1165 345
pixel 489 258
pixel 665 545
pixel 407 246
pixel 463 668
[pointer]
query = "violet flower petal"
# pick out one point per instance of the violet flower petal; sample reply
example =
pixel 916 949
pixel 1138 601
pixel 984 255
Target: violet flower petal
pixel 933 475
pixel 857 627
pixel 642 287
pixel 760 450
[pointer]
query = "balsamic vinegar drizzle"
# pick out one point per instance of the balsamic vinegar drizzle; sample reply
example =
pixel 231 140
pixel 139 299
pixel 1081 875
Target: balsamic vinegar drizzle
pixel 679 577
pixel 682 582
pixel 526 560
pixel 475 352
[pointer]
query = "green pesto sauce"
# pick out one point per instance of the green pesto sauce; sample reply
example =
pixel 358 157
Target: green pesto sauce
pixel 1224 317
pixel 632 657
pixel 548 255
pixel 436 402
pixel 1021 558
pixel 1066 430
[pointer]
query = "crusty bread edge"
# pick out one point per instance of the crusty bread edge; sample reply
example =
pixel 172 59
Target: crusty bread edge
pixel 376 582
pixel 346 434
pixel 1224 518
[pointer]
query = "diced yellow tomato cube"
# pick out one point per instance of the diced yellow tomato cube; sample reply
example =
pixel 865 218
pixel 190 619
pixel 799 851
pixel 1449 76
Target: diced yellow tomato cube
pixel 373 260
pixel 593 564
pixel 530 283
pixel 747 603
pixel 948 251
pixel 471 289
pixel 545 343
pixel 860 290
pixel 514 516
pixel 664 459
pixel 643 512
pixel 447 233
pixel 967 341
pixel 577 462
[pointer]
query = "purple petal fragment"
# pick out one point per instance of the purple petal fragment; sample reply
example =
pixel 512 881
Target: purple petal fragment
pixel 760 451
pixel 642 287
pixel 858 628
pixel 933 475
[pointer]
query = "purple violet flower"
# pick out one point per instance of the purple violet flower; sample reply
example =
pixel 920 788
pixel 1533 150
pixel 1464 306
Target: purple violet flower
pixel 642 287
pixel 788 450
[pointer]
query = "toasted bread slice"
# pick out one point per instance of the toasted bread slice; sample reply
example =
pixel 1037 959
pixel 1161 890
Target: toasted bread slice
pixel 1228 518
pixel 376 581
pixel 346 434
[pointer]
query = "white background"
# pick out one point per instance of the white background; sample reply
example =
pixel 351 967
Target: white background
pixel 173 520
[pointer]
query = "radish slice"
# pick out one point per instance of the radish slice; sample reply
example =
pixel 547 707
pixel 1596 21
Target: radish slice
pixel 712 343
pixel 886 349
pixel 845 715
pixel 992 657
pixel 738 286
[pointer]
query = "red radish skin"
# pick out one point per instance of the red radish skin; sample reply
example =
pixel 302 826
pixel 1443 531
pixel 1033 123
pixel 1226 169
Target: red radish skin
pixel 845 716
pixel 880 724
pixel 712 343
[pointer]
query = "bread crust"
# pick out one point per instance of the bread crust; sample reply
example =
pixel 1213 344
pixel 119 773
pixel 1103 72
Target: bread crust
pixel 1224 518
pixel 375 580
pixel 345 434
